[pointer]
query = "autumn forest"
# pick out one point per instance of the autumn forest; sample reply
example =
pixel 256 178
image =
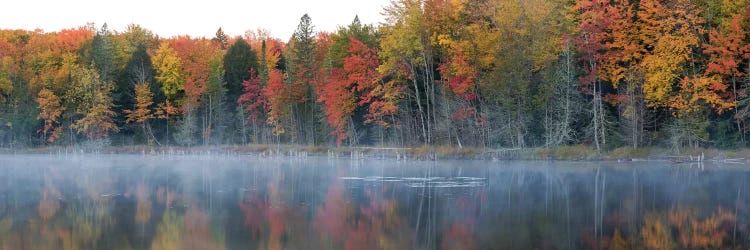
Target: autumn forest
pixel 461 73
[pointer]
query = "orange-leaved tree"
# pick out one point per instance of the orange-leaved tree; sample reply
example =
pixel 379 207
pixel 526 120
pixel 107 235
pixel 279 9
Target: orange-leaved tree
pixel 726 51
pixel 622 67
pixel 339 101
pixel 594 35
pixel 358 84
pixel 195 56
pixel 711 88
pixel 361 66
pixel 671 32
pixel 142 112
pixel 166 111
pixel 50 112
pixel 278 97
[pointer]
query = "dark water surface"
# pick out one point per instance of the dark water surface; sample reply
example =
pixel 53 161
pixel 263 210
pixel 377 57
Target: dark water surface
pixel 231 202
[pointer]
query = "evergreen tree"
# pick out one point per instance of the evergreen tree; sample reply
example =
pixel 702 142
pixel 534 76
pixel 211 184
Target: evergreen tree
pixel 303 80
pixel 303 50
pixel 221 39
pixel 238 61
pixel 103 53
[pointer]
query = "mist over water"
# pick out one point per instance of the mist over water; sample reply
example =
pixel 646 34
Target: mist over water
pixel 243 202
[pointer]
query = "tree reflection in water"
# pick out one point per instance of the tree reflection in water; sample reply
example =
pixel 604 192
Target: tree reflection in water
pixel 136 202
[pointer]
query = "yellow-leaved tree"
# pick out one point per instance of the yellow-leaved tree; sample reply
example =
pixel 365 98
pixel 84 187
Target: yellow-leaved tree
pixel 168 68
pixel 142 113
pixel 97 111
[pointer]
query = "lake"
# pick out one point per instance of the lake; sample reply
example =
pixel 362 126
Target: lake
pixel 245 202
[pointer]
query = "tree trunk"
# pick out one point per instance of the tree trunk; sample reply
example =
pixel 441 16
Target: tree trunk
pixel 596 119
pixel 419 105
pixel 737 120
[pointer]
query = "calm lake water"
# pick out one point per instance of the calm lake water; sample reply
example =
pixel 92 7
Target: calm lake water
pixel 235 202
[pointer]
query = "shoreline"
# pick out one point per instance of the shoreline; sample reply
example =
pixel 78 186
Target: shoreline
pixel 566 153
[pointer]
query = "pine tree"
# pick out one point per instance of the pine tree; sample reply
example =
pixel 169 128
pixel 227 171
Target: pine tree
pixel 221 39
pixel 238 61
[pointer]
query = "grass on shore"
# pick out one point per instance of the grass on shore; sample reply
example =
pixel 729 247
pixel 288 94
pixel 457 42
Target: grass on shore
pixel 573 152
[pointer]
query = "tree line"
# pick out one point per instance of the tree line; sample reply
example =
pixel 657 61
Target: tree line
pixel 479 73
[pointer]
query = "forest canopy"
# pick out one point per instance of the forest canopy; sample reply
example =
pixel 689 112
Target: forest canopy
pixel 477 73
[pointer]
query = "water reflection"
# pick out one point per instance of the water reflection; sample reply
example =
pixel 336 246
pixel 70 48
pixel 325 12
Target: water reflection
pixel 191 202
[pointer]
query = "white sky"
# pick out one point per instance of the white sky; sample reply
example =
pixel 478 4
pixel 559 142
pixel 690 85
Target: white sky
pixel 196 18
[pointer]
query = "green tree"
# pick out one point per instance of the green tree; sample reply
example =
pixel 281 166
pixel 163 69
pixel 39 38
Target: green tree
pixel 6 85
pixel 136 35
pixel 407 60
pixel 362 32
pixel 214 121
pixel 96 111
pixel 238 61
pixel 303 78
pixel 221 39
pixel 103 54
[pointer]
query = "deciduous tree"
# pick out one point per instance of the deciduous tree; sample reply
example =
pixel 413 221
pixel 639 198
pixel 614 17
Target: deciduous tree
pixel 169 71
pixel 139 69
pixel 726 53
pixel 166 111
pixel 143 112
pixel 338 96
pixel 277 94
pixel 253 100
pixel 97 121
pixel 594 32
pixel 50 112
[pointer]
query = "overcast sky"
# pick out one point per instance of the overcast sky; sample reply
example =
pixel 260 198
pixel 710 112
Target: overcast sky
pixel 187 17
